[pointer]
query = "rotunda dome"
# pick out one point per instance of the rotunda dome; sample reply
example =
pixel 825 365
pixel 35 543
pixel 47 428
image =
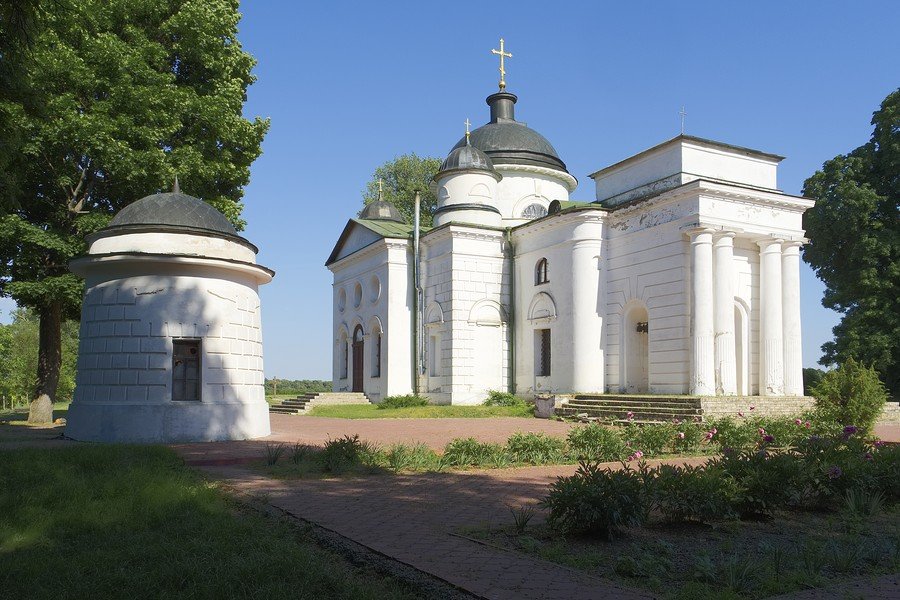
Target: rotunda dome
pixel 172 210
pixel 507 141
pixel 381 210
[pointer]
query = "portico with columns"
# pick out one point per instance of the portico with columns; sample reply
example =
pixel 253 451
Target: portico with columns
pixel 680 276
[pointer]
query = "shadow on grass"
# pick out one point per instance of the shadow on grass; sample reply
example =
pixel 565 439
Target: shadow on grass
pixel 126 521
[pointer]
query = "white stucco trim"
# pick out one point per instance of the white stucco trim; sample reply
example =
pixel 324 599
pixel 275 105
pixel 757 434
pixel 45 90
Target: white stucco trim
pixel 568 180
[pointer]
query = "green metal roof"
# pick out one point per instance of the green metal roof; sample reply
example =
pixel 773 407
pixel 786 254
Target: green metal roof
pixel 381 227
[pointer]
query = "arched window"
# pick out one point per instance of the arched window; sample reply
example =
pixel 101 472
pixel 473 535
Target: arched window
pixel 344 356
pixel 376 353
pixel 534 211
pixel 540 272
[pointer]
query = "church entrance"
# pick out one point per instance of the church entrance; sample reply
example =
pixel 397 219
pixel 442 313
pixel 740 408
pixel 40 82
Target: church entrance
pixel 358 354
pixel 637 351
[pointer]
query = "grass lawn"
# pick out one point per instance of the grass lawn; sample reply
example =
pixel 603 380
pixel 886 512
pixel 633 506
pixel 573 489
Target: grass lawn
pixel 133 522
pixel 370 411
pixel 731 560
pixel 19 415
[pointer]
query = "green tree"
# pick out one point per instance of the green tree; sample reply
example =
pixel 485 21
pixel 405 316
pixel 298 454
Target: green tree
pixel 19 356
pixel 110 102
pixel 402 178
pixel 854 232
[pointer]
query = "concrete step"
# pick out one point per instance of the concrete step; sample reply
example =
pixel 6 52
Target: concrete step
pixel 632 405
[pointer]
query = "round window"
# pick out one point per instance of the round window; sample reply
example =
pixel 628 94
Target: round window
pixel 374 289
pixel 357 295
pixel 342 299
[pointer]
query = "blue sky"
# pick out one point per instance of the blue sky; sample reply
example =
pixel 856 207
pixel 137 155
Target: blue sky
pixel 351 85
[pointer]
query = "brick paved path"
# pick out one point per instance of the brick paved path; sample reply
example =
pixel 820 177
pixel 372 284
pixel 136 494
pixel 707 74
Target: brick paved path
pixel 411 519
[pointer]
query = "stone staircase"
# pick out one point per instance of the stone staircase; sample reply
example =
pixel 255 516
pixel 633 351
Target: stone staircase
pixel 301 404
pixel 646 409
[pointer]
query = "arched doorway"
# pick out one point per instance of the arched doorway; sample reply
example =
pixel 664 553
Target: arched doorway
pixel 741 350
pixel 636 352
pixel 358 355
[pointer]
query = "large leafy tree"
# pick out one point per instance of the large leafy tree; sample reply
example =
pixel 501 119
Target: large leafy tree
pixel 854 232
pixel 111 100
pixel 401 179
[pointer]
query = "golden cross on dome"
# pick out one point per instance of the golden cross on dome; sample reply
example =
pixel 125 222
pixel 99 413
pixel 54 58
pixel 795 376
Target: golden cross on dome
pixel 467 129
pixel 502 55
pixel 380 188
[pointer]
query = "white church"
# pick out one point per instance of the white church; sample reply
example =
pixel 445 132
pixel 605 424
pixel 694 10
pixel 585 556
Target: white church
pixel 680 277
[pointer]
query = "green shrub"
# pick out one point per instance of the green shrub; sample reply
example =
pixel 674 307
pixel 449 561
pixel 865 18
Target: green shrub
pixel 402 401
pixel 344 453
pixel 691 493
pixel 535 448
pixel 767 480
pixel 596 501
pixel 497 398
pixel 735 434
pixel 417 457
pixel 596 443
pixel 852 394
pixel 469 452
pixel 652 439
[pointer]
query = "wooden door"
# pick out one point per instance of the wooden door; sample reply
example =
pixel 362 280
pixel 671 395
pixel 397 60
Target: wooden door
pixel 358 354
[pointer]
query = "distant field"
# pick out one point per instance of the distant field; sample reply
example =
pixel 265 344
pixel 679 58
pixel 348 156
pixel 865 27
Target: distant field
pixel 370 411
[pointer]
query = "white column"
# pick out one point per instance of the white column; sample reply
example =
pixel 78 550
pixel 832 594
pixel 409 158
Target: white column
pixel 790 294
pixel 771 359
pixel 723 283
pixel 703 379
pixel 587 366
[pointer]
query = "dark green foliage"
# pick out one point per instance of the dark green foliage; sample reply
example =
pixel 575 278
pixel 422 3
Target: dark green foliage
pixel 852 394
pixel 811 378
pixel 345 453
pixel 735 434
pixel 417 457
pixel 402 177
pixel 496 398
pixel 145 526
pixel 535 448
pixel 854 232
pixel 402 401
pixel 691 493
pixel 766 479
pixel 596 443
pixel 597 501
pixel 297 386
pixel 693 434
pixel 274 452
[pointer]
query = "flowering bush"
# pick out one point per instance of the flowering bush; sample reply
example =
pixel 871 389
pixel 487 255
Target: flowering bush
pixel 653 439
pixel 852 394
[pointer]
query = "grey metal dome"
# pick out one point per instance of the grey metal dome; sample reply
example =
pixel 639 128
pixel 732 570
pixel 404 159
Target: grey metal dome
pixel 381 210
pixel 466 158
pixel 507 141
pixel 172 210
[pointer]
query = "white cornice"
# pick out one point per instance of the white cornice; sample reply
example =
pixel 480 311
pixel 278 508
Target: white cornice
pixel 570 182
pixel 381 245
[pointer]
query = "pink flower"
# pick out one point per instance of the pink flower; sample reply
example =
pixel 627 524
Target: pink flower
pixel 798 421
pixel 768 439
pixel 808 424
pixel 752 407
pixel 629 415
pixel 714 431
pixel 762 431
pixel 636 456
pixel 680 435
pixel 709 435
pixel 879 443
pixel 740 413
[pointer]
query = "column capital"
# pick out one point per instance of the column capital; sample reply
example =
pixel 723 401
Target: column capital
pixel 766 244
pixel 695 229
pixel 724 238
pixel 791 245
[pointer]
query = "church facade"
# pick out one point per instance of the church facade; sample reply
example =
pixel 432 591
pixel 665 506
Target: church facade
pixel 680 277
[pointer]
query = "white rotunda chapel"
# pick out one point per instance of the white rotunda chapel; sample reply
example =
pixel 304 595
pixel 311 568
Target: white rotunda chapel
pixel 171 342
pixel 679 277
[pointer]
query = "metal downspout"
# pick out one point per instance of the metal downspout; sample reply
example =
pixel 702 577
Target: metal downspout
pixel 417 300
pixel 512 310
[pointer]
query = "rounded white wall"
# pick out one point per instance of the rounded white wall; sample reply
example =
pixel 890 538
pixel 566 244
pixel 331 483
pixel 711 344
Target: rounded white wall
pixel 467 188
pixel 522 187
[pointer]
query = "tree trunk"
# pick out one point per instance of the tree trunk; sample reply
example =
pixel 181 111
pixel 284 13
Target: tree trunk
pixel 49 362
pixel 49 349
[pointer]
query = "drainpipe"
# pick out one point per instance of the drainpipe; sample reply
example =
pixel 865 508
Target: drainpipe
pixel 418 351
pixel 512 310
